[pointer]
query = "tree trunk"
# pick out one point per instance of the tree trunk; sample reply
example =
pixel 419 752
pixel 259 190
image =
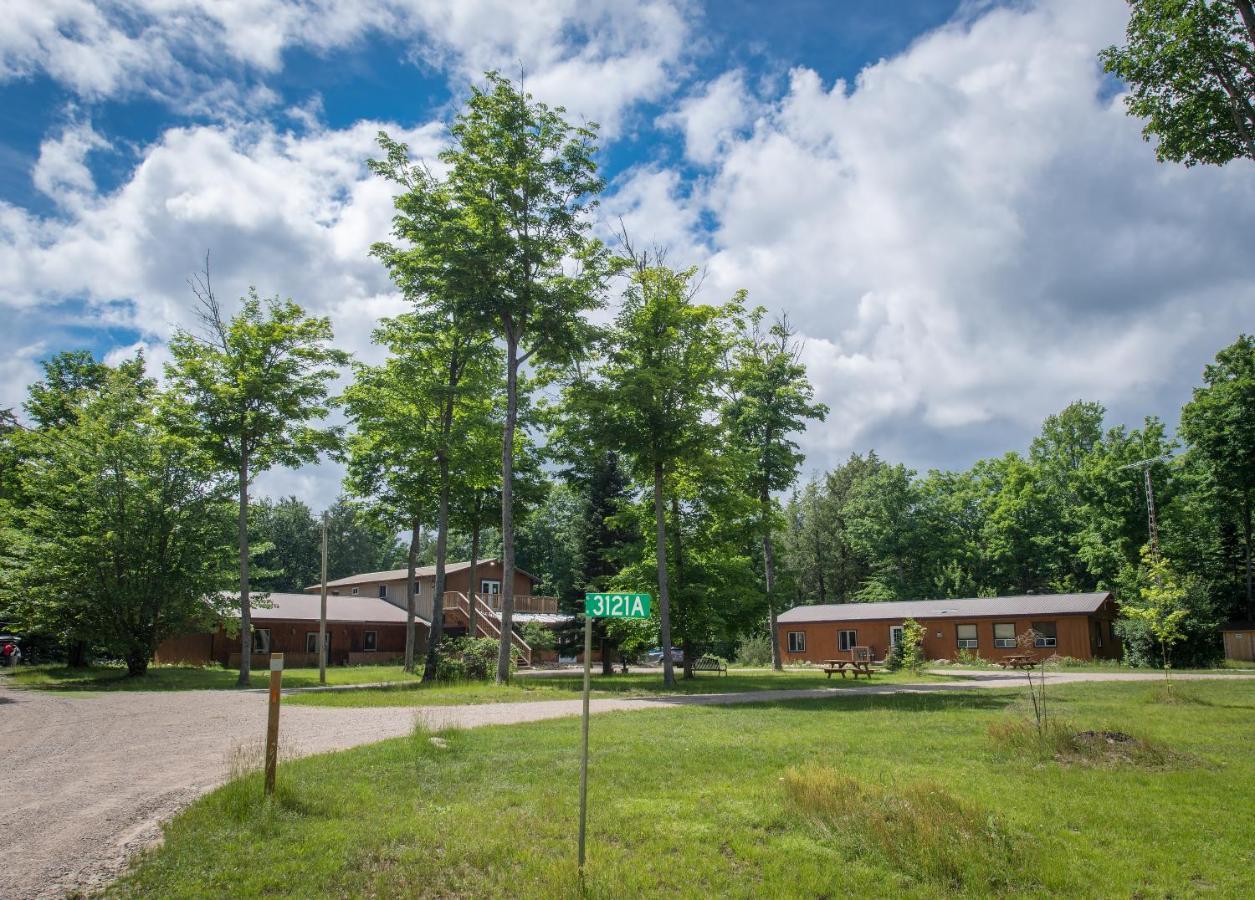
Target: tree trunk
pixel 246 623
pixel 664 597
pixel 677 532
pixel 411 561
pixel 507 506
pixel 76 654
pixel 1246 528
pixel 137 661
pixel 607 667
pixel 1248 18
pixel 769 576
pixel 442 543
pixel 471 589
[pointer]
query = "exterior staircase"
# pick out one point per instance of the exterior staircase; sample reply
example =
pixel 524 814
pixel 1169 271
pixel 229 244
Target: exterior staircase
pixel 457 606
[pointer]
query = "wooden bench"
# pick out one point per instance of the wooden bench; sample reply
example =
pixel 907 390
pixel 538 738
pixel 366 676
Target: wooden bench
pixel 709 664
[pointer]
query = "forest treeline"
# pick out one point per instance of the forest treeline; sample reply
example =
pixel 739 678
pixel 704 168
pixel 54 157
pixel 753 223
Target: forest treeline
pixel 657 451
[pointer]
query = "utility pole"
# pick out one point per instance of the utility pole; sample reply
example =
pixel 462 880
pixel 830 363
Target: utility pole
pixel 322 609
pixel 1152 523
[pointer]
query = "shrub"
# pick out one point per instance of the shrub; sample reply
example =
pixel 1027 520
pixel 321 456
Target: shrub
pixel 923 829
pixel 469 659
pixel 966 657
pixel 896 658
pixel 754 650
pixel 912 645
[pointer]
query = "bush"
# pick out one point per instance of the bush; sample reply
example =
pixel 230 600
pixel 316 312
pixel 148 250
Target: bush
pixel 896 658
pixel 754 650
pixel 469 659
pixel 912 645
pixel 966 657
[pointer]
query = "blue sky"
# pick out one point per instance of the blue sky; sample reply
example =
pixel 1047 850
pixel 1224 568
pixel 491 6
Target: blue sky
pixel 946 197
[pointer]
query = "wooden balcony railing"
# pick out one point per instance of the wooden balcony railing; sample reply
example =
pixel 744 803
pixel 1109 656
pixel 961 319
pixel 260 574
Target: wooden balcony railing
pixel 524 603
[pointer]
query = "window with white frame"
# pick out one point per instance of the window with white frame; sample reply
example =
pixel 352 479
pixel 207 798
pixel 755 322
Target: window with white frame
pixel 1004 635
pixel 261 640
pixel 370 641
pixel 489 586
pixel 966 638
pixel 383 592
pixel 847 639
pixel 895 635
pixel 797 641
pixel 355 591
pixel 1046 634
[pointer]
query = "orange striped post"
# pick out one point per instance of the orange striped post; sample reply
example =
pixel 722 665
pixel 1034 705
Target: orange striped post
pixel 272 721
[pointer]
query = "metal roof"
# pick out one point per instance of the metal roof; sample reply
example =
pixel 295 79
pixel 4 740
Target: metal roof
pixel 341 609
pixel 402 574
pixel 967 607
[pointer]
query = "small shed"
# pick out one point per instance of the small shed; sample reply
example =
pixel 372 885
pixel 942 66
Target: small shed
pixel 1239 640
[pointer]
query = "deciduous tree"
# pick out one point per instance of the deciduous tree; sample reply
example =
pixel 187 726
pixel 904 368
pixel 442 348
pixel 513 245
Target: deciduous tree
pixel 249 391
pixel 1190 69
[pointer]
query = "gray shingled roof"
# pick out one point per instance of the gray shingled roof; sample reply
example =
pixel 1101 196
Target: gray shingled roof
pixel 1023 605
pixel 401 574
pixel 304 607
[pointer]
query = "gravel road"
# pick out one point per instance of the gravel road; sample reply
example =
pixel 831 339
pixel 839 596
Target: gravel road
pixel 89 779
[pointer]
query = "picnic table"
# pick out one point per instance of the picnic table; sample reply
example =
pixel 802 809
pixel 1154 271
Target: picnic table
pixel 1018 661
pixel 859 663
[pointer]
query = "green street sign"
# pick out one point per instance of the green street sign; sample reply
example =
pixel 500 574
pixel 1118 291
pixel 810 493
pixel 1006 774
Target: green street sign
pixel 616 606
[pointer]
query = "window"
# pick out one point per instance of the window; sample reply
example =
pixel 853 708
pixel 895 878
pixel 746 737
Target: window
pixel 895 635
pixel 797 641
pixel 370 641
pixel 1045 634
pixel 311 641
pixel 383 592
pixel 1004 635
pixel 966 635
pixel 354 592
pixel 261 640
pixel 846 639
pixel 490 586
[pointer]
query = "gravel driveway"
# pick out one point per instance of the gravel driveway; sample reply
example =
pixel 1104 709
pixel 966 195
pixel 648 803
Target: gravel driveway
pixel 88 779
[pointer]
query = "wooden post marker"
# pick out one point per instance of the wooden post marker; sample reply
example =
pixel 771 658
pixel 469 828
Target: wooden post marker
pixel 600 606
pixel 272 721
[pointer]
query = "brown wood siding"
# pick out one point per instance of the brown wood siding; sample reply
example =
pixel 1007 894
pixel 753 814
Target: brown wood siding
pixel 1076 636
pixel 288 637
pixel 1239 645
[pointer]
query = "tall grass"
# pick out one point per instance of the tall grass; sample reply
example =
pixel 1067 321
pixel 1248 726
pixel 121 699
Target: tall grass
pixel 922 829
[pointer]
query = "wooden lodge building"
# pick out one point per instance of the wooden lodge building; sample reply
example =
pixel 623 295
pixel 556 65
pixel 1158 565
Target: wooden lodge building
pixel 366 618
pixel 1075 625
pixel 359 630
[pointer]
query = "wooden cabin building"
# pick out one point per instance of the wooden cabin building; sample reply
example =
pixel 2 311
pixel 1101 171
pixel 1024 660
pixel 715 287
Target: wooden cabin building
pixel 1076 625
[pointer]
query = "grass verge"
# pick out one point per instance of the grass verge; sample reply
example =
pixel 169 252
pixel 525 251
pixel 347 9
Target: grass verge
pixel 700 801
pixel 569 687
pixel 186 678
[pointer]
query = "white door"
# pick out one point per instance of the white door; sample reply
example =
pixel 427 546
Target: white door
pixel 895 635
pixel 489 586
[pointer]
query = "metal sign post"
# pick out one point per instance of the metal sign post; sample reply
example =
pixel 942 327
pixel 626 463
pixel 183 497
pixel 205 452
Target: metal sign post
pixel 272 721
pixel 618 606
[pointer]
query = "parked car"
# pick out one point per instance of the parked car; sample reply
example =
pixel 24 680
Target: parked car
pixel 10 650
pixel 654 657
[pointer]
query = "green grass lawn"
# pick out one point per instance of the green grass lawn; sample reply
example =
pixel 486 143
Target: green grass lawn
pixel 187 678
pixel 570 687
pixel 854 795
